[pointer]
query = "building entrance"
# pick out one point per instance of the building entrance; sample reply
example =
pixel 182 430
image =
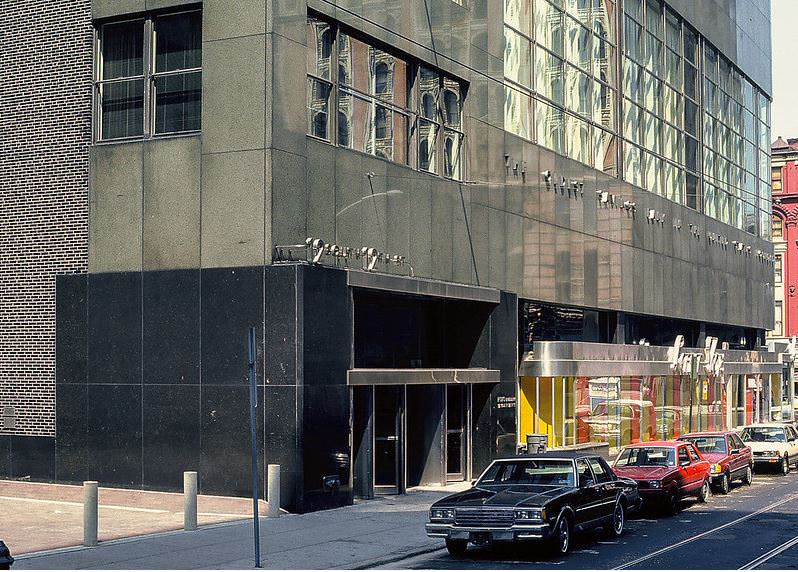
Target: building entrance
pixel 456 434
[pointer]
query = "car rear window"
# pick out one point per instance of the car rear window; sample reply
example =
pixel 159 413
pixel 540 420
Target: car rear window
pixel 708 443
pixel 646 457
pixel 764 434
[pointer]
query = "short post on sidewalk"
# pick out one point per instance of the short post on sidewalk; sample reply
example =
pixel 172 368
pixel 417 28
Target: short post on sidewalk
pixel 190 500
pixel 274 491
pixel 90 513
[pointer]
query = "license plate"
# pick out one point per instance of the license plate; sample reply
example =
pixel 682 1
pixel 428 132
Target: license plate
pixel 480 537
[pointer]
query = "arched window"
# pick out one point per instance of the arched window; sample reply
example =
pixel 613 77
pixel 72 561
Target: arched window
pixel 343 129
pixel 449 157
pixel 381 123
pixel 320 125
pixel 451 105
pixel 326 43
pixel 778 226
pixel 428 106
pixel 381 74
pixel 423 155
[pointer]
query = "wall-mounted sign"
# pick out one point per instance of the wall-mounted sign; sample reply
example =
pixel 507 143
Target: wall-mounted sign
pixel 505 402
pixel 316 251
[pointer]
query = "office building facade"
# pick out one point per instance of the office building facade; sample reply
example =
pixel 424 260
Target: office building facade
pixel 408 201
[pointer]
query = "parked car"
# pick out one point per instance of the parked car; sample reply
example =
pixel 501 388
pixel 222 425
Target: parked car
pixel 773 445
pixel 619 421
pixel 665 472
pixel 730 458
pixel 547 496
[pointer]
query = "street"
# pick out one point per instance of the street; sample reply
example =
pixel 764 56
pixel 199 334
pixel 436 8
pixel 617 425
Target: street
pixel 750 528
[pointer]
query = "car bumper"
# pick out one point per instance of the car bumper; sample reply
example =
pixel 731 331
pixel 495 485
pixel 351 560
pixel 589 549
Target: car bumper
pixel 650 496
pixel 541 531
pixel 766 460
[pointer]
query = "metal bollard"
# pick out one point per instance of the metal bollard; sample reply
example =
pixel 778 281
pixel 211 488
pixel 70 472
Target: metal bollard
pixel 274 491
pixel 89 513
pixel 190 500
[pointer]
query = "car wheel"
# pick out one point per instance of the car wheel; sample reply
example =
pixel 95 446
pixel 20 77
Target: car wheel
pixel 562 536
pixel 615 526
pixel 749 476
pixel 703 492
pixel 672 504
pixel 456 548
pixel 725 484
pixel 785 465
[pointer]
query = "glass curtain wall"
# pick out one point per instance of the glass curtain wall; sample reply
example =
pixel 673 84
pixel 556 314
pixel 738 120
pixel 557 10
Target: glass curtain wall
pixel 692 128
pixel 629 409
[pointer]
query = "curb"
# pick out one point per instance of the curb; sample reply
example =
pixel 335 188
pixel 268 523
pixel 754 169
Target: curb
pixel 396 558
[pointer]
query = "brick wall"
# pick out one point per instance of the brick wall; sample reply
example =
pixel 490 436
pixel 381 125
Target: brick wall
pixel 45 129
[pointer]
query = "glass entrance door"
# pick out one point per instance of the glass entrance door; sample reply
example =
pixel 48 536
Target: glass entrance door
pixel 456 410
pixel 388 444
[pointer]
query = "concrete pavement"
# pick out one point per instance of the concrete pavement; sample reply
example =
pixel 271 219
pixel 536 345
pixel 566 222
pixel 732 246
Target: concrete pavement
pixel 367 534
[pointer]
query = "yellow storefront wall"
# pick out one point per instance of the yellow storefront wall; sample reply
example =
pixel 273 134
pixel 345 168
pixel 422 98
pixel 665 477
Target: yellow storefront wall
pixel 541 408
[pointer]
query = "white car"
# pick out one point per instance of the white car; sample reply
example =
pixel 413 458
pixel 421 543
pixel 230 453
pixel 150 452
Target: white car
pixel 773 444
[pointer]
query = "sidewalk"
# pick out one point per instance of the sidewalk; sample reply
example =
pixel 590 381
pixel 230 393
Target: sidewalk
pixel 367 534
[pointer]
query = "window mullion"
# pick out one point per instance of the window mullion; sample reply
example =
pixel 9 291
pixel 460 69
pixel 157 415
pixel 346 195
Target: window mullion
pixel 149 78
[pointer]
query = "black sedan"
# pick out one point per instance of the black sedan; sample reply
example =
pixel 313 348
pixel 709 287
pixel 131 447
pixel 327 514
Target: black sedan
pixel 544 497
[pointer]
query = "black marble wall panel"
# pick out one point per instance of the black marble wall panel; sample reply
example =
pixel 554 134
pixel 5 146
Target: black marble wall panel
pixel 171 433
pixel 504 337
pixel 114 330
pixel 114 434
pixel 362 441
pixel 5 456
pixel 282 438
pixel 32 457
pixel 327 328
pixel 70 331
pixel 171 326
pixel 282 330
pixel 71 453
pixel 226 461
pixel 326 451
pixel 231 303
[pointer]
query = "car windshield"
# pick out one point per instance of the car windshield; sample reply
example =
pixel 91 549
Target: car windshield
pixel 764 434
pixel 708 443
pixel 646 457
pixel 529 472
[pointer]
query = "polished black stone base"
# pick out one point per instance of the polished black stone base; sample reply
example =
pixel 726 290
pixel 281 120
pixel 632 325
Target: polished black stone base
pixel 151 381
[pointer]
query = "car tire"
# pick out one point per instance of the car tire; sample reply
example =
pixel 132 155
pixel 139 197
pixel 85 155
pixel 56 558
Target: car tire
pixel 725 484
pixel 563 535
pixel 785 465
pixel 749 476
pixel 672 504
pixel 703 492
pixel 614 528
pixel 456 548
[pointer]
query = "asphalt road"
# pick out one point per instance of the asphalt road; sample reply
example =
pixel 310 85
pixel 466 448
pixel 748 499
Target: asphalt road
pixel 752 527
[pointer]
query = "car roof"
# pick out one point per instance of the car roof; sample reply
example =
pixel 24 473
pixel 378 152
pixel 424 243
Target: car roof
pixel 771 424
pixel 705 434
pixel 655 444
pixel 550 455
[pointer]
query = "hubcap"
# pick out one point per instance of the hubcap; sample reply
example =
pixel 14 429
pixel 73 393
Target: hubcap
pixel 749 475
pixel 725 483
pixel 564 537
pixel 618 519
pixel 704 491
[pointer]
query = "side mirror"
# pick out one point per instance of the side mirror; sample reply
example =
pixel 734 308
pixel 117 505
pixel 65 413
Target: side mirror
pixel 684 463
pixel 473 482
pixel 734 451
pixel 587 483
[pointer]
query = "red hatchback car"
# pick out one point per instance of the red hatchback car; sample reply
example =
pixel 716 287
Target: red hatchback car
pixel 665 471
pixel 730 458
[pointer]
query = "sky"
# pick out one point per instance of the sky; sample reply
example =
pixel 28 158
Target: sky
pixel 784 110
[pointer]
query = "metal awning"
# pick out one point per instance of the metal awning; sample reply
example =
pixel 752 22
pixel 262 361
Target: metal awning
pixel 587 359
pixel 362 376
pixel 421 286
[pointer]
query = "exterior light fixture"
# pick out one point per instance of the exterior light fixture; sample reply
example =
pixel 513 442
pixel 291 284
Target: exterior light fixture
pixel 652 214
pixel 546 176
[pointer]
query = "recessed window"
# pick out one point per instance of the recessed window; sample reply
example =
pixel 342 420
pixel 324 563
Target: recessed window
pixel 778 227
pixel 149 76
